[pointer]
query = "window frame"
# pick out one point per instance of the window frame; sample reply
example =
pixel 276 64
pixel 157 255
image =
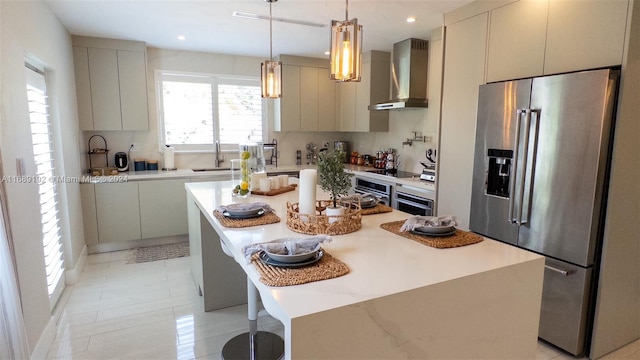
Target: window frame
pixel 214 80
pixel 48 187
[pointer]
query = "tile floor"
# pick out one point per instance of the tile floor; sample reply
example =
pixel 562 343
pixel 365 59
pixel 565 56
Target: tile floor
pixel 152 311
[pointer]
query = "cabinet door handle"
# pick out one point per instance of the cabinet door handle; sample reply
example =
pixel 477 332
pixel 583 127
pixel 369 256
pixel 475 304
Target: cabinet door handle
pixel 560 271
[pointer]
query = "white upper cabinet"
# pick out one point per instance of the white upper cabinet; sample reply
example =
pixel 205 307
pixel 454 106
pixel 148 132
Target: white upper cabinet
pixel 105 89
pixel 517 34
pixel 347 106
pixel 133 90
pixel 577 28
pixel 287 108
pixel 539 37
pixel 83 87
pixel 111 84
pixel 309 98
pixel 355 97
pixel 327 106
pixel 308 101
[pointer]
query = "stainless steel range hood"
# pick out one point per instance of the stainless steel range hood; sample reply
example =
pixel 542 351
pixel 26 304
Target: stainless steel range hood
pixel 408 76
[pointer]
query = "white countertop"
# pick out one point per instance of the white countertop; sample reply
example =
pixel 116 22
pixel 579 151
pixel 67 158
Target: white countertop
pixel 381 263
pixel 180 174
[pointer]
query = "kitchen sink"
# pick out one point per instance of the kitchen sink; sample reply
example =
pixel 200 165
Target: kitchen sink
pixel 210 169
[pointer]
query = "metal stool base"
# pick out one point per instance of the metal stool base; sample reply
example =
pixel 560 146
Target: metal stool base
pixel 268 346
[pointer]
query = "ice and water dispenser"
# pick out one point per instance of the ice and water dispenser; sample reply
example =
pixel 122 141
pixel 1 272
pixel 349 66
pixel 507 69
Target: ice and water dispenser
pixel 499 172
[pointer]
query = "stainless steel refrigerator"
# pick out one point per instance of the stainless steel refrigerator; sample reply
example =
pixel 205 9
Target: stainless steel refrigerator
pixel 540 181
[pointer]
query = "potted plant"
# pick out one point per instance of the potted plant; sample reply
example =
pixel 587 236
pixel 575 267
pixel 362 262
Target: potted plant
pixel 333 179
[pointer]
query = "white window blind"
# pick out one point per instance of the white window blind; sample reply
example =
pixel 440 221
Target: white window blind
pixel 195 111
pixel 41 138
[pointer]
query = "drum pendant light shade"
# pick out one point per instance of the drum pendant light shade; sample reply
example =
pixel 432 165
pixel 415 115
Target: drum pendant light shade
pixel 346 49
pixel 271 71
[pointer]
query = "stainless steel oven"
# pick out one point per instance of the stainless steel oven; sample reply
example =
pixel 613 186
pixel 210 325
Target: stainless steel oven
pixel 412 201
pixel 381 190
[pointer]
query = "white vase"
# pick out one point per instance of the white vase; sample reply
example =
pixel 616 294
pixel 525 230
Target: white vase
pixel 335 211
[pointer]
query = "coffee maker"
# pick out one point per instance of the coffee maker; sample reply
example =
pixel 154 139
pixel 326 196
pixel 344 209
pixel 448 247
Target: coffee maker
pixel 122 164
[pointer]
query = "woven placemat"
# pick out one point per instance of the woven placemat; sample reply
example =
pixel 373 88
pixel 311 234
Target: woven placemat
pixel 268 218
pixel 326 268
pixel 460 238
pixel 378 209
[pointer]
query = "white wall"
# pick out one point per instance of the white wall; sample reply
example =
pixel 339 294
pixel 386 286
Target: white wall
pixel 29 28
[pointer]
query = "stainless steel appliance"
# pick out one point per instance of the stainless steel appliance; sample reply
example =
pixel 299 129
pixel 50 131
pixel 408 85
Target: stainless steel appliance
pixel 408 77
pixel 428 173
pixel 412 201
pixel 539 182
pixel 380 189
pixel 344 146
pixel 122 164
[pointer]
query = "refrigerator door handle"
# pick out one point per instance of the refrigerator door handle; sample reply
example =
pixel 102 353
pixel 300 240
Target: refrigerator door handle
pixel 516 165
pixel 520 163
pixel 527 183
pixel 523 173
pixel 560 271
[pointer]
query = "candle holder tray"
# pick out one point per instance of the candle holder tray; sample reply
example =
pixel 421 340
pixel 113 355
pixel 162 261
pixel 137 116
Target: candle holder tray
pixel 320 223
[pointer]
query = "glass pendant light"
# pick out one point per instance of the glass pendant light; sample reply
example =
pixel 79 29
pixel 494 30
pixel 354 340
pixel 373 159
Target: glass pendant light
pixel 271 71
pixel 346 49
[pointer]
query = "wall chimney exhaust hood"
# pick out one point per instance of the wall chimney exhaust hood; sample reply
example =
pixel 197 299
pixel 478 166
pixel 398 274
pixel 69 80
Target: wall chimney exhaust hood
pixel 408 76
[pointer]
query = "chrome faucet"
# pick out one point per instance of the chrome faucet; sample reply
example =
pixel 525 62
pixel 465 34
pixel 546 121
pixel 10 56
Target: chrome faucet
pixel 218 160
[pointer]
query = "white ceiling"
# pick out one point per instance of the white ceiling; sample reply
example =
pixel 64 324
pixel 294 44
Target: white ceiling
pixel 209 26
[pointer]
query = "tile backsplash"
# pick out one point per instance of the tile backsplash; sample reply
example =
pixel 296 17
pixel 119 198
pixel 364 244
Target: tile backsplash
pixel 401 125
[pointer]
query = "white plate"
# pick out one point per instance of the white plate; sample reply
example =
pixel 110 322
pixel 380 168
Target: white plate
pixel 237 210
pixel 252 214
pixel 289 259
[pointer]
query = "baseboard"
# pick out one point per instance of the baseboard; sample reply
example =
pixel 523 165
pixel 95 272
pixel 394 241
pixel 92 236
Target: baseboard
pixel 50 331
pixel 46 339
pixel 73 276
pixel 132 244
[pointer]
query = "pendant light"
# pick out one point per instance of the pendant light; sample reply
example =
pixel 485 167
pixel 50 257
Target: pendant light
pixel 346 49
pixel 271 71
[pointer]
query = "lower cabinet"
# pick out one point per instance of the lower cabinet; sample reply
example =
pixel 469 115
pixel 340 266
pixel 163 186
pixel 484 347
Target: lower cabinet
pixel 116 212
pixel 163 208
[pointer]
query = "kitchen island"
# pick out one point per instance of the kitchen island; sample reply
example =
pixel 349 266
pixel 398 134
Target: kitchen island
pixel 401 299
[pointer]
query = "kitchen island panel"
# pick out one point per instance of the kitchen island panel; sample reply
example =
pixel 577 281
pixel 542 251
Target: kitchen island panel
pixel 487 315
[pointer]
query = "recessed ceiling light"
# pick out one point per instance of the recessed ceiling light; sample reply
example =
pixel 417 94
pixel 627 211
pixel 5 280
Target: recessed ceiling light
pixel 411 19
pixel 327 52
pixel 181 37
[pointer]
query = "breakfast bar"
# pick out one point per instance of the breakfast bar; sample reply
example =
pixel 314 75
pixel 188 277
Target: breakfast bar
pixel 400 298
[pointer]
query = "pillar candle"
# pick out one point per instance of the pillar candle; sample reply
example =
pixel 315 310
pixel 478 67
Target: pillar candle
pixel 307 192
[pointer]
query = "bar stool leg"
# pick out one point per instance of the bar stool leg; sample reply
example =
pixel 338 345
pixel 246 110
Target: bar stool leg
pixel 253 345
